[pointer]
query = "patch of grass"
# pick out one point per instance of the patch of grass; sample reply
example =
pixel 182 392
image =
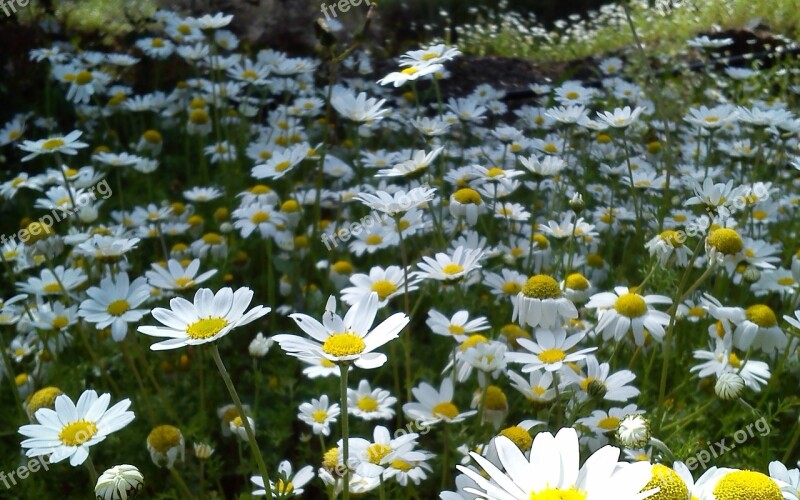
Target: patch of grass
pixel 663 28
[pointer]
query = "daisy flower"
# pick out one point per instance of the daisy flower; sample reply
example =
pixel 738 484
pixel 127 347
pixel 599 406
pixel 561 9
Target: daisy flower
pixel 177 277
pixel 209 318
pixel 55 282
pixel 722 483
pixel 399 202
pixel 373 458
pixel 70 429
pixel 289 483
pixel 459 326
pixel 67 144
pixel 434 406
pixel 387 283
pixel 166 445
pixel 450 268
pixel 319 415
pixel 598 383
pixel 553 471
pixel 359 108
pixel 114 304
pixel 623 310
pixel 369 404
pixel 541 302
pixel 620 118
pixel 537 388
pixel 119 482
pixel 410 168
pixel 348 340
pixel 411 73
pixel 550 350
pixel 202 194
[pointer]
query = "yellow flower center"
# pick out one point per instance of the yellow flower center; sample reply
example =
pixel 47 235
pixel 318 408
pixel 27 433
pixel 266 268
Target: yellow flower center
pixel 726 241
pixel 280 167
pixel 472 341
pixel 511 288
pixel 212 239
pixel 550 148
pixel 608 423
pixel 746 485
pixel 467 196
pixel 184 282
pixel 376 452
pixel 446 409
pixel 284 488
pixel 206 328
pixel 259 217
pixel 401 465
pixel 51 144
pixel 384 288
pixel 342 267
pixel 330 460
pixel 343 344
pixel 576 281
pixel 157 43
pixel 519 437
pixel 452 268
pixel 670 484
pixel 761 315
pixel 43 398
pixel 558 494
pixel 541 241
pixel 83 78
pixel 198 117
pixel 672 237
pixel 249 75
pixel 164 437
pixel 410 71
pixel 631 305
pixel 785 281
pixel 374 239
pixel 550 356
pixel 697 312
pixel 541 286
pixel 78 432
pixel 495 399
pixel 367 404
pixel 53 287
pixel 456 329
pixel 118 307
pixel 572 95
pixel 319 416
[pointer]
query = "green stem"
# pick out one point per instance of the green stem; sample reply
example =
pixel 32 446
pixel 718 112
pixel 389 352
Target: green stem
pixel 262 468
pixel 344 369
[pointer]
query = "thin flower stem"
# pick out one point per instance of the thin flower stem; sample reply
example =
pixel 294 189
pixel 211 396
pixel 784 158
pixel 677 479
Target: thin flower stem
pixel 262 468
pixel 92 470
pixel 344 369
pixel 662 390
pixel 181 483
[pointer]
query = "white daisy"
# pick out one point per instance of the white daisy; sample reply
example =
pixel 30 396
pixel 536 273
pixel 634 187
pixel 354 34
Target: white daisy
pixel 70 429
pixel 550 350
pixel 345 340
pixel 552 471
pixel 623 310
pixel 435 406
pixel 209 318
pixel 369 404
pixel 319 414
pixel 114 304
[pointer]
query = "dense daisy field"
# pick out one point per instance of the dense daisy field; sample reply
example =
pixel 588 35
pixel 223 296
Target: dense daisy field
pixel 252 273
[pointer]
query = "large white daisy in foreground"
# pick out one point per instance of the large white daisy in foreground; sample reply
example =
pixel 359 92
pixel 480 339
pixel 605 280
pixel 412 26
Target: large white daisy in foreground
pixel 344 340
pixel 70 429
pixel 211 317
pixel 553 472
